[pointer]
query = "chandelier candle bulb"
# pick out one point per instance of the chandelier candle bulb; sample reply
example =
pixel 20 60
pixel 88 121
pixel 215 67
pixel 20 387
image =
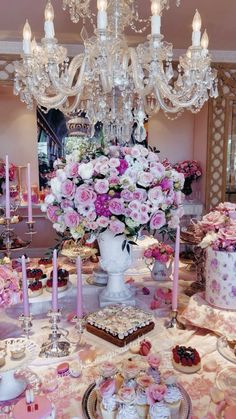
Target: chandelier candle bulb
pixel 205 43
pixel 197 24
pixel 176 271
pixel 27 38
pixel 102 14
pixel 26 310
pixel 48 24
pixel 54 283
pixel 8 212
pixel 29 197
pixel 79 307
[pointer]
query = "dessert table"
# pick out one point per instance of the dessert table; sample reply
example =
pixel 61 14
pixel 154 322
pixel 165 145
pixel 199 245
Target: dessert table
pixel 67 397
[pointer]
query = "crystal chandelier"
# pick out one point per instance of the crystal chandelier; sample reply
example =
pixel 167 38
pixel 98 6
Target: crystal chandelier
pixel 111 81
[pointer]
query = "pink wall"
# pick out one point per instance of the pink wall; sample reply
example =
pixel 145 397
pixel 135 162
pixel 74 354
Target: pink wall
pixel 18 131
pixel 200 146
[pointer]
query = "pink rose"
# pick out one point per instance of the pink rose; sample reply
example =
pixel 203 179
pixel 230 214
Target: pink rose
pixel 127 395
pixel 144 218
pixel 158 220
pixel 108 369
pixel 135 216
pixel 72 219
pixel 140 195
pixel 155 393
pixel 72 169
pixel 103 221
pixel 226 207
pixel 116 206
pixel 101 186
pixel 154 360
pixel 155 195
pixel 148 253
pixel 53 212
pixel 85 195
pixel 154 305
pixel 145 179
pixel 67 188
pixel 117 227
pixel 228 233
pixel 145 381
pixel 152 156
pixel 114 162
pixel 114 180
pixel 134 205
pixel 66 203
pixel 131 369
pixel 157 169
pixel 126 195
pixel 107 388
pixel 212 221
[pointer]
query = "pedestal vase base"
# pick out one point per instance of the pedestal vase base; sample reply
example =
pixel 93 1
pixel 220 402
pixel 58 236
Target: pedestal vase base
pixel 125 296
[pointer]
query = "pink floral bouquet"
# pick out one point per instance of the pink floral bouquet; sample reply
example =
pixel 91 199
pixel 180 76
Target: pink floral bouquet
pixel 161 252
pixel 218 228
pixel 124 189
pixel 9 286
pixel 12 173
pixel 189 168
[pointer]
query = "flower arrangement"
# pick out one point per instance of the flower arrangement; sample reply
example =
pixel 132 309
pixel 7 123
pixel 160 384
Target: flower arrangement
pixel 189 168
pixel 123 189
pixel 12 173
pixel 161 252
pixel 218 228
pixel 9 286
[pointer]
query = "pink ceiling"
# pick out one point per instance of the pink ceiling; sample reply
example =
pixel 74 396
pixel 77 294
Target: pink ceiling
pixel 218 16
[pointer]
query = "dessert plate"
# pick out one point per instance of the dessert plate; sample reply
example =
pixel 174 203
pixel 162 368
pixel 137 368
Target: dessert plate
pixel 47 296
pixel 31 352
pixel 225 350
pixel 91 411
pixel 226 379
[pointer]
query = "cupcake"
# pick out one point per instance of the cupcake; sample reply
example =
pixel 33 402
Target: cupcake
pixel 127 399
pixel 153 370
pixel 159 411
pixel 17 350
pixel 108 405
pixel 143 382
pixel 173 399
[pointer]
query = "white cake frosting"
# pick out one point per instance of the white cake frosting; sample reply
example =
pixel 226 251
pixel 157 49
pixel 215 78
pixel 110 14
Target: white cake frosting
pixel 141 397
pixel 221 279
pixel 159 411
pixel 109 403
pixel 127 411
pixel 172 395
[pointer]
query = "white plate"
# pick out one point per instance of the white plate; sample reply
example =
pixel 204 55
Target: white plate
pixel 89 404
pixel 31 352
pixel 47 296
pixel 225 350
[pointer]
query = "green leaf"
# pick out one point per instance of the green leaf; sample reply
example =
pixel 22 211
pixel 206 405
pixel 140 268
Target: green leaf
pixel 128 248
pixel 124 244
pixel 133 243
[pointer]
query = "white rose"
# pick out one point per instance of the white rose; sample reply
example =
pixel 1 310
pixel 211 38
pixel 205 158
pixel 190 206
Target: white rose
pixel 174 222
pixel 86 170
pixel 208 240
pixel 61 175
pixel 49 199
pixel 60 227
pixel 44 208
pixel 56 187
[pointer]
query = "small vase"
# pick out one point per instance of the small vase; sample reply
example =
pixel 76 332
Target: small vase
pixel 115 259
pixel 161 271
pixel 187 189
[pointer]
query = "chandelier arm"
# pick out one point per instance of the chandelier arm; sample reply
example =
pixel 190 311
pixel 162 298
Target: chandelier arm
pixel 165 91
pixel 73 106
pixel 135 64
pixel 50 102
pixel 60 86
pixel 163 104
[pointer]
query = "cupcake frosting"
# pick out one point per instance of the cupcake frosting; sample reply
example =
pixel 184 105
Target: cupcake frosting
pixel 109 403
pixel 172 395
pixel 159 411
pixel 141 397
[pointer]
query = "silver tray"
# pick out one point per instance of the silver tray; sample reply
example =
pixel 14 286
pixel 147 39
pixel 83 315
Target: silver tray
pixel 90 411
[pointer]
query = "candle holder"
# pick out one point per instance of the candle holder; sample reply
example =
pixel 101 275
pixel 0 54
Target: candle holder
pixel 57 345
pixel 174 323
pixel 26 324
pixel 9 241
pixel 80 324
pixel 31 229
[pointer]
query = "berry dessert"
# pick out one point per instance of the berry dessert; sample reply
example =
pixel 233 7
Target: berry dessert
pixel 186 359
pixel 45 261
pixel 35 288
pixel 63 278
pixel 34 273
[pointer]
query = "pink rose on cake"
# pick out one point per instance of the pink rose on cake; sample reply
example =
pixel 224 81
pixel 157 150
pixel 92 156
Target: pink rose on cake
pixel 155 393
pixel 108 369
pixel 145 381
pixel 154 360
pixel 107 388
pixel 131 369
pixel 212 221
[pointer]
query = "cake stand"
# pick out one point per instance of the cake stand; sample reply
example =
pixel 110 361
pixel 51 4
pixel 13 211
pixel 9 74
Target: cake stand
pixel 11 386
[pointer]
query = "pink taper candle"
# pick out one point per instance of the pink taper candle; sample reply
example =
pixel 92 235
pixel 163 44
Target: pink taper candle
pixel 176 271
pixel 26 309
pixel 54 283
pixel 79 307
pixel 8 213
pixel 30 218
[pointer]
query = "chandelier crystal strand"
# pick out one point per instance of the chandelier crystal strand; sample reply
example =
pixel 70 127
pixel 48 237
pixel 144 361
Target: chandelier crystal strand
pixel 111 81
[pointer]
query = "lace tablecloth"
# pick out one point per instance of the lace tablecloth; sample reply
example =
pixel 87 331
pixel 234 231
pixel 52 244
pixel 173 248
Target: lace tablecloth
pixel 68 396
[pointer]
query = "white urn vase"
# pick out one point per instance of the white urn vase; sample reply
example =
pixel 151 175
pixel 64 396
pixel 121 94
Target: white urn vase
pixel 116 258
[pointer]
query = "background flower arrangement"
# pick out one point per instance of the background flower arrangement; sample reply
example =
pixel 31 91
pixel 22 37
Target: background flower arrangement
pixel 12 173
pixel 9 286
pixel 191 170
pixel 123 189
pixel 218 228
pixel 161 252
